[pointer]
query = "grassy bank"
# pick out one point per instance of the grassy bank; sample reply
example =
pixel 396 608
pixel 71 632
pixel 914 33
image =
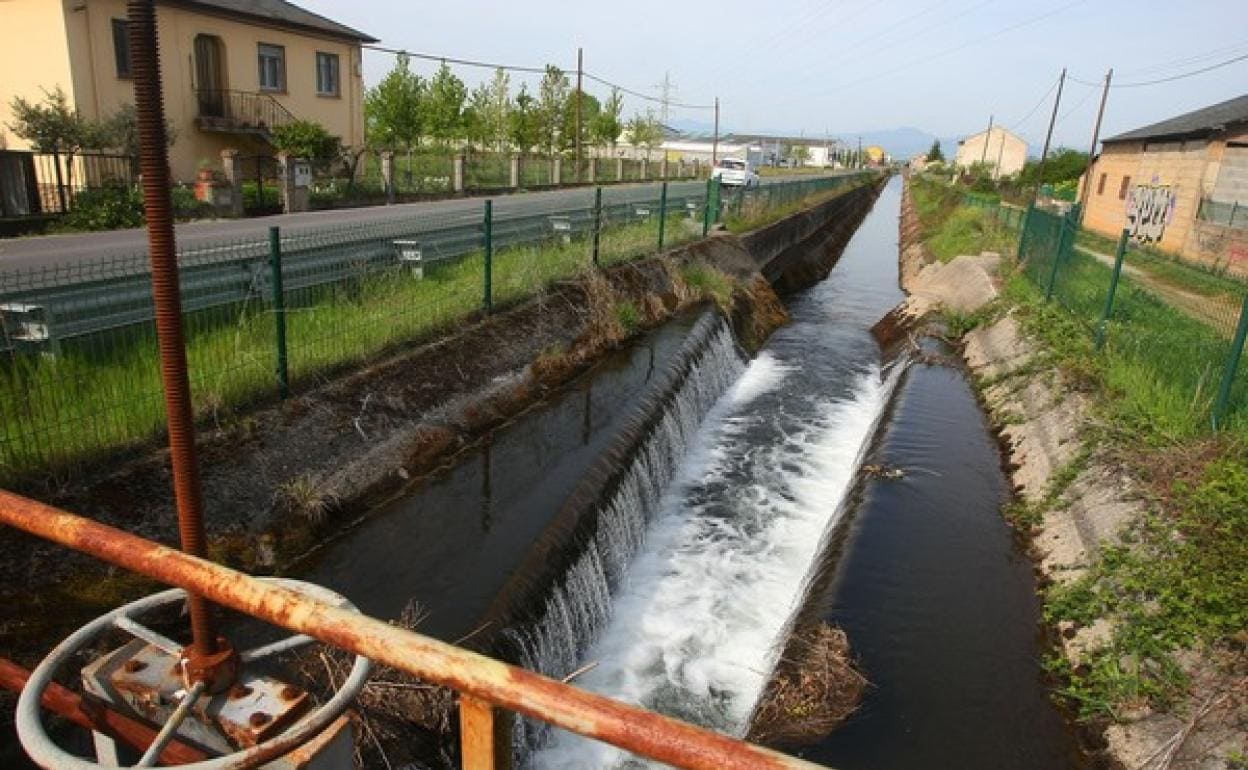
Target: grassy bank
pixel 102 394
pixel 1172 597
pixel 952 228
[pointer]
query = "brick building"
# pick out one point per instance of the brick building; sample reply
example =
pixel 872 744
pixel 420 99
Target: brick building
pixel 1180 185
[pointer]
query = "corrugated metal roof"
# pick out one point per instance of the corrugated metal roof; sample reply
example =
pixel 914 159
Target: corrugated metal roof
pixel 281 13
pixel 1193 124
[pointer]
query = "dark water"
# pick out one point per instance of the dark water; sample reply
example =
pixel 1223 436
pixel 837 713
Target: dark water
pixel 452 542
pixel 939 602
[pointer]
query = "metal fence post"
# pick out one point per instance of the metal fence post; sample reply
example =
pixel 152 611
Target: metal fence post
pixel 1232 367
pixel 597 223
pixel 488 225
pixel 706 208
pixel 1057 256
pixel 279 311
pixel 1119 255
pixel 662 214
pixel 1022 238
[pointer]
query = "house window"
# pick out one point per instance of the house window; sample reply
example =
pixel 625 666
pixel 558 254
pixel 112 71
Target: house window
pixel 1122 189
pixel 121 47
pixel 327 74
pixel 272 67
pixel 1100 186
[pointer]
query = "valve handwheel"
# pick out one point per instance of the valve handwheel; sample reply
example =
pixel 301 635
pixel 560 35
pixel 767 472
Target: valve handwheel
pixel 44 751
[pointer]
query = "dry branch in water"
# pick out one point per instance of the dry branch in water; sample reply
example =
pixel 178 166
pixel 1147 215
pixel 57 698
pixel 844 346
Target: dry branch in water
pixel 813 690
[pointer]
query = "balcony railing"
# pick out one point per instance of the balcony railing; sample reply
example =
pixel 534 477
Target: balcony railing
pixel 240 111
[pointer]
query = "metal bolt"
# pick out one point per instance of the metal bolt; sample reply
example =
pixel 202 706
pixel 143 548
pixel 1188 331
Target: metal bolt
pixel 290 692
pixel 259 719
pixel 134 666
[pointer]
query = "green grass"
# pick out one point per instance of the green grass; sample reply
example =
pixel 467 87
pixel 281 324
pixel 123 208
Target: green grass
pixel 102 394
pixel 1178 584
pixel 954 229
pixel 1168 268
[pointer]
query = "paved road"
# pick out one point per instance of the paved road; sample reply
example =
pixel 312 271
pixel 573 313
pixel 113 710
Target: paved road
pixel 46 251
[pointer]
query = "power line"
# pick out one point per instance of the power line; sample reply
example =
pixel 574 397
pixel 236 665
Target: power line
pixel 532 70
pixel 974 41
pixel 1166 65
pixel 645 96
pixel 454 60
pixel 1170 79
pixel 1018 123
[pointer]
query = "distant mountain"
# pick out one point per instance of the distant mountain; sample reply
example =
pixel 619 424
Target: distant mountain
pixel 901 143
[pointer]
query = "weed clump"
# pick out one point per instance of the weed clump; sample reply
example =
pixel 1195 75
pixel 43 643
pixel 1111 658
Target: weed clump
pixel 815 689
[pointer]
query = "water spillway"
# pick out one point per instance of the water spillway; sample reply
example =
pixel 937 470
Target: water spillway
pixel 661 524
pixel 700 616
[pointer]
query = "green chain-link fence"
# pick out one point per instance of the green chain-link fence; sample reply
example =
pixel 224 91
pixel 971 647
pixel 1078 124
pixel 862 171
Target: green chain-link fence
pixel 1183 325
pixel 273 315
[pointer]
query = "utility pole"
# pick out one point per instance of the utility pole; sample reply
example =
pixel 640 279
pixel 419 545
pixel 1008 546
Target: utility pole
pixel 996 172
pixel 983 156
pixel 1061 81
pixel 858 163
pixel 665 98
pixel 1096 135
pixel 580 71
pixel 715 142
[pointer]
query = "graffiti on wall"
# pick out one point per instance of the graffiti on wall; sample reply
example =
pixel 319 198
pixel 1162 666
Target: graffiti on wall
pixel 1150 207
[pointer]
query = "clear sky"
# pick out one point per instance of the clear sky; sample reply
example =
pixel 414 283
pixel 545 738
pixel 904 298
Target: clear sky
pixel 845 66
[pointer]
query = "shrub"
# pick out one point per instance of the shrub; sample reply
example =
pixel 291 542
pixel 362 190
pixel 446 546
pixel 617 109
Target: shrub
pixel 104 208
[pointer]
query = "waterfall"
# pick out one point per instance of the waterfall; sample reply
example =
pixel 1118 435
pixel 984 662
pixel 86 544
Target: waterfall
pixel 578 606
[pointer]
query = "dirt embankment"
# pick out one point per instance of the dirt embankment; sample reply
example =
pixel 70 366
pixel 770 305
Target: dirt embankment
pixel 1086 501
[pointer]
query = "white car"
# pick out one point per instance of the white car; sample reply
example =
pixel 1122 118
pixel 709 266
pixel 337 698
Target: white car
pixel 734 172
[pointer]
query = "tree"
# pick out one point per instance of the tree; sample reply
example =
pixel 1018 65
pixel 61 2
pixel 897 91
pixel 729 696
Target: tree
pixel 120 132
pixel 551 96
pixel 392 109
pixel 589 114
pixel 935 154
pixel 306 139
pixel 476 116
pixel 444 106
pixel 644 130
pixel 1063 165
pixel 54 126
pixel 800 154
pixel 498 109
pixel 522 124
pixel 607 125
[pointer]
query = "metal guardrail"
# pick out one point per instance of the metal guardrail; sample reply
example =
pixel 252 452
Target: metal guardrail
pixel 75 301
pixel 483 682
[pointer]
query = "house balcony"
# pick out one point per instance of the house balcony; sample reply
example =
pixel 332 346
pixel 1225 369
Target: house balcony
pixel 240 112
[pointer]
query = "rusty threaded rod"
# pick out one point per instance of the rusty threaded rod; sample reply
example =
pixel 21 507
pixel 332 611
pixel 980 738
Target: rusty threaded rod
pixel 154 167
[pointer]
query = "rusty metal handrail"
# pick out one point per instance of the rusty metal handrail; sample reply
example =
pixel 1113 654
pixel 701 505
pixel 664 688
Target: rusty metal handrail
pixel 479 677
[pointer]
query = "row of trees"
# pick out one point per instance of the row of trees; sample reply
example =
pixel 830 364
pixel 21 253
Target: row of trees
pixel 405 110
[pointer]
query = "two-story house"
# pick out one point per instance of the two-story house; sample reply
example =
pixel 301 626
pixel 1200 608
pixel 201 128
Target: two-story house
pixel 231 69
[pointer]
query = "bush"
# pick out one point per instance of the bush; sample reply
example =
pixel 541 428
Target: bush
pixel 104 208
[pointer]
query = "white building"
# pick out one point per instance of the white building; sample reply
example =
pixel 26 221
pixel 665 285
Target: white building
pixel 1000 149
pixel 762 150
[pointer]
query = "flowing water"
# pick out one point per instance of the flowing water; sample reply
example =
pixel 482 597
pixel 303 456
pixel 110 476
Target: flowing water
pixel 943 613
pixel 699 615
pixel 939 602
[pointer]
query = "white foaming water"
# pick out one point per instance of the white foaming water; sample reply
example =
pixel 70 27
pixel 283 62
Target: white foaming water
pixel 763 374
pixel 578 608
pixel 699 619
